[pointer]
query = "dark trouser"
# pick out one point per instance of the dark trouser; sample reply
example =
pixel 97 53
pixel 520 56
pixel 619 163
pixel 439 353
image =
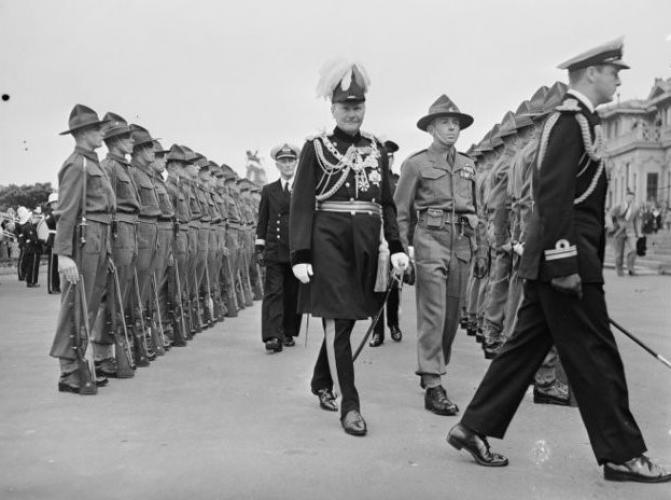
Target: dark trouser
pixel 392 310
pixel 321 378
pixel 31 264
pixel 580 330
pixel 53 278
pixel 278 311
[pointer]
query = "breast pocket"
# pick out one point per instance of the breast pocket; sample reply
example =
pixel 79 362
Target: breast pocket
pixel 147 195
pixel 465 185
pixel 435 179
pixel 94 183
pixel 124 190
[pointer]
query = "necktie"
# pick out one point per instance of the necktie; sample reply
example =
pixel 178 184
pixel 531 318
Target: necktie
pixel 286 187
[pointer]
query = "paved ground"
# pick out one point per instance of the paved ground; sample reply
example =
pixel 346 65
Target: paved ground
pixel 222 419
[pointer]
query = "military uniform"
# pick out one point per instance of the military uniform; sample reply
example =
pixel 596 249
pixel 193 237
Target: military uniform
pixel 81 174
pixel 177 272
pixel 566 239
pixel 626 223
pixel 341 208
pixel 500 248
pixel 32 253
pixel 279 317
pixel 439 184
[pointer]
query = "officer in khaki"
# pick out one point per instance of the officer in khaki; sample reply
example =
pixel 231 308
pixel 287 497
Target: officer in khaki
pixel 81 262
pixel 440 184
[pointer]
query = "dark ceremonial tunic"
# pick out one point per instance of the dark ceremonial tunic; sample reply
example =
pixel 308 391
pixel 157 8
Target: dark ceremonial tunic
pixel 342 247
pixel 566 236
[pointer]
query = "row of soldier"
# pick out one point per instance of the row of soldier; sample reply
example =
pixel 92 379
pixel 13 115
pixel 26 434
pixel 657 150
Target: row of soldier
pixel 161 240
pixel 505 158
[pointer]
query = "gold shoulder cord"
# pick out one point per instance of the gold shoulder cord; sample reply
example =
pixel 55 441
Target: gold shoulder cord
pixel 593 149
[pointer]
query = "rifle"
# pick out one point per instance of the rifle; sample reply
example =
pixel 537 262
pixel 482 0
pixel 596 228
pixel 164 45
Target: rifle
pixel 158 333
pixel 209 303
pixel 85 369
pixel 140 340
pixel 180 331
pixel 124 354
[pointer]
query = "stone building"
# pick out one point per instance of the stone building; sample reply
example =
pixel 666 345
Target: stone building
pixel 638 147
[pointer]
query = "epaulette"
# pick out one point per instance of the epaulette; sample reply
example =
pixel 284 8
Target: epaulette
pixel 465 155
pixel 568 106
pixel 417 153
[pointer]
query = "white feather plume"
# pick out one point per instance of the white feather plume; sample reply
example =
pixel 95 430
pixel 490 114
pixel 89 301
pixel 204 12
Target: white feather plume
pixel 340 70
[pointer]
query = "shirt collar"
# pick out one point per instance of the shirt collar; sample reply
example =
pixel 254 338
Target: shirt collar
pixel 118 158
pixel 91 155
pixel 286 182
pixel 582 98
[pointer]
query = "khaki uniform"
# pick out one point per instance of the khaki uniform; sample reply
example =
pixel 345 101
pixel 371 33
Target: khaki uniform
pixel 164 251
pixel 93 254
pixel 500 250
pixel 440 185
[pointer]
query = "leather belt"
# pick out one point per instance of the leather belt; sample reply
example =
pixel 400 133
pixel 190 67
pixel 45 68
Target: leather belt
pixel 436 218
pixel 125 217
pixel 147 219
pixel 101 217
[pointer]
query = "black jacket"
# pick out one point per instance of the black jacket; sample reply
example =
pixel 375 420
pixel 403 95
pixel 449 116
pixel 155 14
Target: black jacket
pixel 566 236
pixel 273 222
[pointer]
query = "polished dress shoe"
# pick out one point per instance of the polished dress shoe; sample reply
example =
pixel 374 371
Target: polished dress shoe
pixel 376 340
pixel 273 345
pixel 354 424
pixel 555 394
pixel 289 342
pixel 327 400
pixel 396 333
pixel 640 469
pixel 461 436
pixel 436 401
pixel 479 336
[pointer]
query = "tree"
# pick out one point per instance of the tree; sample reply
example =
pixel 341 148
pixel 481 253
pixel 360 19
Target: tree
pixel 27 195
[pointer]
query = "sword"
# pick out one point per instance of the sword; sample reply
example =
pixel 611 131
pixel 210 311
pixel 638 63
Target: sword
pixel 632 337
pixel 376 318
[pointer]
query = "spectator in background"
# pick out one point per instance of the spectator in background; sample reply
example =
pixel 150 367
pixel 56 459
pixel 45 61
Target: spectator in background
pixel 625 230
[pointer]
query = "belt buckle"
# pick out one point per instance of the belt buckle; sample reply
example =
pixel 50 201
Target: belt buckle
pixel 434 218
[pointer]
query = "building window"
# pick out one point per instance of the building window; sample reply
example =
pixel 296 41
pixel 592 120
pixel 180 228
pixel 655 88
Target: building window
pixel 652 182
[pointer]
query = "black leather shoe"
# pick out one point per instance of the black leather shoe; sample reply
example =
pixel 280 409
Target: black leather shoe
pixel 376 340
pixel 640 469
pixel 289 342
pixel 106 368
pixel 396 333
pixel 462 437
pixel 273 345
pixel 436 401
pixel 556 394
pixel 67 387
pixel 101 381
pixel 327 400
pixel 354 424
pixel 479 336
pixel 33 285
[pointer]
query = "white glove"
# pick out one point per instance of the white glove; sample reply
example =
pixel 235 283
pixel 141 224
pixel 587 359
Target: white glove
pixel 411 252
pixel 400 262
pixel 68 269
pixel 518 248
pixel 302 272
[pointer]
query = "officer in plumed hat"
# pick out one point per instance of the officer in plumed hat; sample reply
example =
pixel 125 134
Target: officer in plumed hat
pixel 564 300
pixel 86 196
pixel 280 322
pixel 341 211
pixel 439 183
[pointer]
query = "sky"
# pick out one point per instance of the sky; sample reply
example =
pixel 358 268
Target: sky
pixel 224 77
